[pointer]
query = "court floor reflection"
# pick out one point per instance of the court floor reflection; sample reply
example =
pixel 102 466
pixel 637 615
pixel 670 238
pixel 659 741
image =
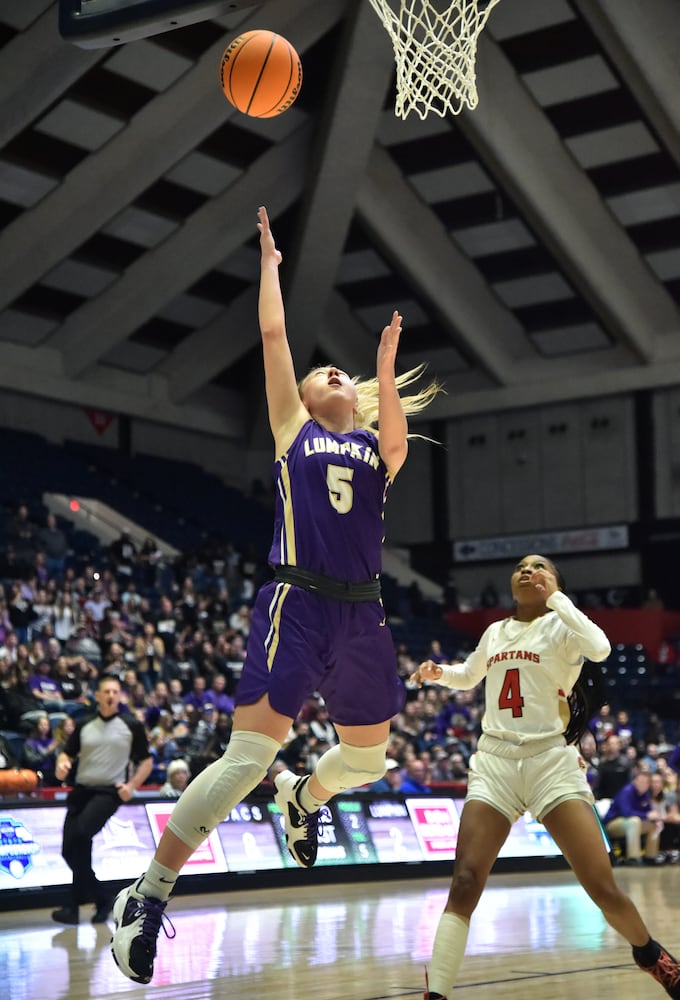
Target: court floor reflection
pixel 534 935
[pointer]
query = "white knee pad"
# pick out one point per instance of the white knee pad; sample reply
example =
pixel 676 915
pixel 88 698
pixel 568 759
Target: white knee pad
pixel 211 796
pixel 346 766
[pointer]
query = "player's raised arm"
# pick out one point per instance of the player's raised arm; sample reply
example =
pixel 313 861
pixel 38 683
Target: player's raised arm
pixel 283 401
pixel 392 423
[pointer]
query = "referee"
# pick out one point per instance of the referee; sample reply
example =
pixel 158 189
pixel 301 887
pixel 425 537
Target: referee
pixel 104 745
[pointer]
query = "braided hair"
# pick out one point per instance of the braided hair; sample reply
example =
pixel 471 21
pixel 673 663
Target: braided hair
pixel 587 697
pixel 588 694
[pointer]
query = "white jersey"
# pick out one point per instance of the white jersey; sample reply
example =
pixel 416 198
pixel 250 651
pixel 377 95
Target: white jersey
pixel 530 669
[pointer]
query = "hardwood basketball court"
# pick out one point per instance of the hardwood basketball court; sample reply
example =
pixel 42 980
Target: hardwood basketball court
pixel 535 935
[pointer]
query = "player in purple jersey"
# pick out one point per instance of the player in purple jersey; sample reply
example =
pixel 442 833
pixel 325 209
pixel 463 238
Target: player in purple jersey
pixel 536 709
pixel 319 625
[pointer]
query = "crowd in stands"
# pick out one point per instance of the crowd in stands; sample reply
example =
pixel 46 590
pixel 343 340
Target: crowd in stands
pixel 174 633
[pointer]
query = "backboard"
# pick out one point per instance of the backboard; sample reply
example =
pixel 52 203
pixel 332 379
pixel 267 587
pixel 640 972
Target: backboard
pixel 93 24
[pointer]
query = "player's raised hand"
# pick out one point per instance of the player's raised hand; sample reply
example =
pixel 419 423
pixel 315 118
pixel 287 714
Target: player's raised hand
pixel 389 343
pixel 267 244
pixel 544 581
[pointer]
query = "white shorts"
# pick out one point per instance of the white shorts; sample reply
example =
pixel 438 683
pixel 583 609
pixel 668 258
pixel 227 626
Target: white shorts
pixel 536 784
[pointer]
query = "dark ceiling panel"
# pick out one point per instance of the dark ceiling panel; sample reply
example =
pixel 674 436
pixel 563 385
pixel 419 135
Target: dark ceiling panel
pixel 439 213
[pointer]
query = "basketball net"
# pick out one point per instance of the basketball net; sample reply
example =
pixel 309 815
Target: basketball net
pixel 435 52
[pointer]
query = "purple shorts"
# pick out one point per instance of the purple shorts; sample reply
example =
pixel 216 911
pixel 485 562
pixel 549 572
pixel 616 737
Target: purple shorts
pixel 300 643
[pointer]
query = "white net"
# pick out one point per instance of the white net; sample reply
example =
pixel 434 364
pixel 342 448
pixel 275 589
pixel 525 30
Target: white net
pixel 435 48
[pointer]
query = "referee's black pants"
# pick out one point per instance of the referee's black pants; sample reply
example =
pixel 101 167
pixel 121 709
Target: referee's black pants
pixel 87 810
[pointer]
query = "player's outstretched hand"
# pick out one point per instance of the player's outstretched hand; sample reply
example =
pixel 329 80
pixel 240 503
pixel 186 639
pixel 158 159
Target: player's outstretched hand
pixel 387 348
pixel 267 244
pixel 427 671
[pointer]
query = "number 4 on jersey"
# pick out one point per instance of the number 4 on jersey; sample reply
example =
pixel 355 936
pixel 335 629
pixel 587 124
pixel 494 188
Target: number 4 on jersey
pixel 511 696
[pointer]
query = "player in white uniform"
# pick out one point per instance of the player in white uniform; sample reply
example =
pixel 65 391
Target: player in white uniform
pixel 524 761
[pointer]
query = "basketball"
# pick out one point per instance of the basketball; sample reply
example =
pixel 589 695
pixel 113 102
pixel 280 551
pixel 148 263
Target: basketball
pixel 261 74
pixel 17 779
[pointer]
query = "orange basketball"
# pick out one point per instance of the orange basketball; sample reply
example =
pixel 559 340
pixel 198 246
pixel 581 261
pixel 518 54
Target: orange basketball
pixel 17 779
pixel 261 74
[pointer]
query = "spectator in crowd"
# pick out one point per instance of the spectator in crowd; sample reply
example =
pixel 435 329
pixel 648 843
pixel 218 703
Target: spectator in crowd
pixel 22 535
pixel 54 544
pixel 198 697
pixel 219 738
pixel 240 620
pixel 218 608
pixel 5 623
pixel 588 748
pixel 46 688
pixel 603 724
pixel 320 725
pixel 217 695
pixel 237 656
pixel 650 756
pixel 435 652
pixel 42 606
pixel 178 778
pixel 123 555
pixel 295 749
pixel 176 698
pixel 10 646
pixel 665 801
pixel 167 622
pixel 449 766
pixel 21 612
pixel 159 698
pixel 414 782
pixel 83 643
pixel 149 559
pixel 623 728
pixel 390 783
pixel 149 651
pixel 615 768
pixel 62 731
pixel 114 629
pixel 632 816
pixel 40 750
pixel 96 604
pixel 188 604
pixel 654 729
pixel 163 751
pixel 64 616
pixel 194 741
pixel 180 666
pixel 208 660
pixel 22 709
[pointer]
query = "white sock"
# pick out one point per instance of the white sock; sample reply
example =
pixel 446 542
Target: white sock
pixel 308 802
pixel 447 952
pixel 157 882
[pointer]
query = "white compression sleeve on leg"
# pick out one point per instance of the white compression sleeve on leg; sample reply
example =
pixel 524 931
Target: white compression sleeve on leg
pixel 346 766
pixel 447 953
pixel 211 796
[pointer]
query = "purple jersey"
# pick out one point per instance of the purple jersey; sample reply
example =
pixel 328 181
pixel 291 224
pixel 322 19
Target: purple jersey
pixel 331 491
pixel 330 496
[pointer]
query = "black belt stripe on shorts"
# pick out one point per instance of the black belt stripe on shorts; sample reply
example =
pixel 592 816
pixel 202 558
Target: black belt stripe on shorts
pixel 328 586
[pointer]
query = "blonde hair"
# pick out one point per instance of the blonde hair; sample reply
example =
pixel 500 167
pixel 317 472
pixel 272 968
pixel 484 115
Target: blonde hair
pixel 368 396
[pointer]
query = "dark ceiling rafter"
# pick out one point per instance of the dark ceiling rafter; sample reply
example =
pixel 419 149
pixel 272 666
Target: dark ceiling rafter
pixel 533 245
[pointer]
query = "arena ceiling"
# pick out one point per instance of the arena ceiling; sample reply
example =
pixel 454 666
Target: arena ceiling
pixel 532 245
